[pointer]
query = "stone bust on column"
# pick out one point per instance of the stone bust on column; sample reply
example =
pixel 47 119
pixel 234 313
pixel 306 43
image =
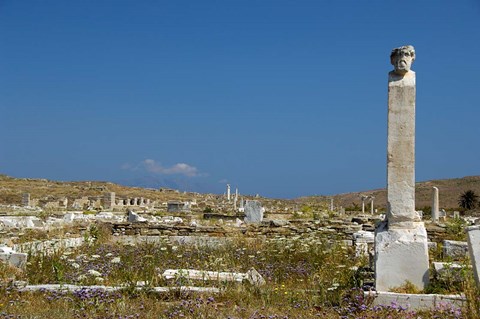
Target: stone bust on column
pixel 402 59
pixel 401 250
pixel 401 139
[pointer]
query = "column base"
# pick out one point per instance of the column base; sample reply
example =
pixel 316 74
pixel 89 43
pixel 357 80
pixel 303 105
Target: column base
pixel 401 255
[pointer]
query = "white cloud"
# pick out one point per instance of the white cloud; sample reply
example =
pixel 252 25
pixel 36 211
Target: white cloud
pixel 127 166
pixel 179 168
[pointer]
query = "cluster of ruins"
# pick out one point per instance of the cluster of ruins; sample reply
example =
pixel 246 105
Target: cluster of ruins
pixel 396 241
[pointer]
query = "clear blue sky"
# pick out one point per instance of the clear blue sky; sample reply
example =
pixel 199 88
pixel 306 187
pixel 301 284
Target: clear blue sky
pixel 280 98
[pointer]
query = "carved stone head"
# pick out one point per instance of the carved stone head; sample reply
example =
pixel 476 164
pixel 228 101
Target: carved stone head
pixel 402 59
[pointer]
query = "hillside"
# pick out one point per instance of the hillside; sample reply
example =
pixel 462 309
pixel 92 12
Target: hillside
pixel 11 190
pixel 449 190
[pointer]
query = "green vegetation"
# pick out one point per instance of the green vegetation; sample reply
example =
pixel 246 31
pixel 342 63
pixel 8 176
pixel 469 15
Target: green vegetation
pixel 468 200
pixel 455 229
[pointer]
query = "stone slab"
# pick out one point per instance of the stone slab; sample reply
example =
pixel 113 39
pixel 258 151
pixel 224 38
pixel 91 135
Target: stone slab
pixel 49 247
pixel 416 301
pixel 253 211
pixel 473 237
pixel 251 276
pixel 59 287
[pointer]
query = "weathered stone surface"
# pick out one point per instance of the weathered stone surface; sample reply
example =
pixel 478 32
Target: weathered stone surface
pixel 401 255
pixel 21 221
pixel 364 237
pixel 48 247
pixel 73 288
pixel 401 149
pixel 14 258
pixel 135 218
pixel 455 249
pixel 416 301
pixel 253 211
pixel 251 276
pixel 473 233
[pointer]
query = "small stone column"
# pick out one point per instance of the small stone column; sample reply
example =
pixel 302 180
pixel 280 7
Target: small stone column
pixel 401 251
pixel 331 204
pixel 435 210
pixel 228 192
pixel 371 205
pixel 26 199
pixel 363 203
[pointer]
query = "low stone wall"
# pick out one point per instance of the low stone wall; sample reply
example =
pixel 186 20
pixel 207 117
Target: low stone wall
pixel 48 246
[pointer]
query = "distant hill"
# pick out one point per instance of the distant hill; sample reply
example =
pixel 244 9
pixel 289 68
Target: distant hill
pixel 11 190
pixel 449 191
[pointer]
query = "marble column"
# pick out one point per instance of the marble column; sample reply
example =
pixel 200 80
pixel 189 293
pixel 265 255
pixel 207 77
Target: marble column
pixel 435 211
pixel 401 251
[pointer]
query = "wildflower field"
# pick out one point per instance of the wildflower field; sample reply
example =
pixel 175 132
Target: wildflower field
pixel 306 277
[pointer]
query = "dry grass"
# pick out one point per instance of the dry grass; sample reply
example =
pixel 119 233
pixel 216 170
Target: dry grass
pixel 307 277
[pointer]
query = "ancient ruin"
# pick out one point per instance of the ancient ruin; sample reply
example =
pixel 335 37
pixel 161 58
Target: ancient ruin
pixel 401 250
pixel 435 209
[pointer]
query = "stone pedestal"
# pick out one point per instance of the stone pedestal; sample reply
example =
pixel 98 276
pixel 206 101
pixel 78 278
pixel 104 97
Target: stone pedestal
pixel 400 255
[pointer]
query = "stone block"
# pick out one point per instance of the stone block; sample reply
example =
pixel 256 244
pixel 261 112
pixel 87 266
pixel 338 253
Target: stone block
pixel 253 211
pixel 473 233
pixel 364 237
pixel 409 301
pixel 135 218
pixel 14 258
pixel 455 249
pixel 401 255
pixel 416 301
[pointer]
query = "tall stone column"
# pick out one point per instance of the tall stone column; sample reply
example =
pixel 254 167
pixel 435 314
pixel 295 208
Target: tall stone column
pixel 435 211
pixel 228 192
pixel 401 251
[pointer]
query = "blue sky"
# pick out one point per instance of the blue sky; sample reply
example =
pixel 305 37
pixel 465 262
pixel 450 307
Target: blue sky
pixel 280 98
